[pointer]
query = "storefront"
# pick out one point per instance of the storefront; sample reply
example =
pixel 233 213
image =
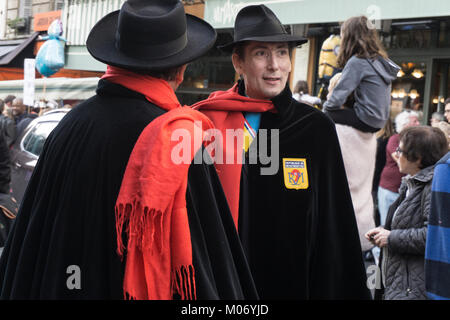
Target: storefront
pixel 414 32
pixel 416 35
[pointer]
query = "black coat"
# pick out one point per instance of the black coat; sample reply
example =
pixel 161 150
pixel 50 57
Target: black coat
pixel 8 128
pixel 301 244
pixel 67 218
pixel 5 169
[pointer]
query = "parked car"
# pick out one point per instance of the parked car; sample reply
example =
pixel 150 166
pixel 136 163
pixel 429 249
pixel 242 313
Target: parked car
pixel 27 148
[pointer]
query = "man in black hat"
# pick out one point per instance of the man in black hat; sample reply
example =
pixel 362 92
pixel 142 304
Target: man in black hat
pixel 294 213
pixel 64 245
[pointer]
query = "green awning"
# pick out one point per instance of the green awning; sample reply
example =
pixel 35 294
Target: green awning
pixel 221 13
pixel 53 88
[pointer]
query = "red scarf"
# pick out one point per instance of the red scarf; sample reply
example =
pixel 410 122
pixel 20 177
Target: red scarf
pixel 151 205
pixel 225 109
pixel 157 91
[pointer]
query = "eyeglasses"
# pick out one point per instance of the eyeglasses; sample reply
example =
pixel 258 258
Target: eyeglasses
pixel 398 151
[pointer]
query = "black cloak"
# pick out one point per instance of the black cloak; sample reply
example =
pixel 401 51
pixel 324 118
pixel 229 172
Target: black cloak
pixel 66 223
pixel 301 243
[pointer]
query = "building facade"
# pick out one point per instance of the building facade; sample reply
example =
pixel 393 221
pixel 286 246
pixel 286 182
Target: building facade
pixel 415 34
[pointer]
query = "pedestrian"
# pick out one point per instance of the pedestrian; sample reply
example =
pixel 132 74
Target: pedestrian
pixel 293 212
pixel 437 255
pixel 445 127
pixel 368 71
pixel 7 126
pixel 382 140
pixel 447 109
pixel 436 117
pixel 67 242
pixel 8 106
pixel 21 116
pixel 403 237
pixel 391 177
pixel 367 75
pixel 7 205
pixel 301 94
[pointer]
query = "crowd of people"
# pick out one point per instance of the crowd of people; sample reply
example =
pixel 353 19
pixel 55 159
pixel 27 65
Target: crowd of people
pixel 15 116
pixel 108 199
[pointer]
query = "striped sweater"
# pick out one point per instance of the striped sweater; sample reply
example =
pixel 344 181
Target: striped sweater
pixel 437 253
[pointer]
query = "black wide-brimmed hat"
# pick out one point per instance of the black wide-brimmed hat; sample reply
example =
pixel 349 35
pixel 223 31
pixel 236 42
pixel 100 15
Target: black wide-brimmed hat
pixel 259 23
pixel 150 35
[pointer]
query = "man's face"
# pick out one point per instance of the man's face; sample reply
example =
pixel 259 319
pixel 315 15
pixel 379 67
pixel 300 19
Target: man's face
pixel 434 122
pixel 413 121
pixel 447 111
pixel 18 107
pixel 265 68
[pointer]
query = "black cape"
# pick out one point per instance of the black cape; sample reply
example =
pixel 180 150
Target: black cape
pixel 301 243
pixel 67 220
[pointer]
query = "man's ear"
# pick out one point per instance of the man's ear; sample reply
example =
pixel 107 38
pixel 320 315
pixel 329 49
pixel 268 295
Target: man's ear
pixel 180 75
pixel 237 63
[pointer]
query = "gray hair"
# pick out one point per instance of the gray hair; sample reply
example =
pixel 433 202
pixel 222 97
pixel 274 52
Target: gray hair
pixel 438 116
pixel 402 119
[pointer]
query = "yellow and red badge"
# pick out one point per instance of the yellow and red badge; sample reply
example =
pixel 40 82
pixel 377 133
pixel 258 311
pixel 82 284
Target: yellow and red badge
pixel 295 173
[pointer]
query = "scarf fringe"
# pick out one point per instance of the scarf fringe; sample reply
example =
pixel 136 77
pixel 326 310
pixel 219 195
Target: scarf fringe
pixel 141 224
pixel 183 282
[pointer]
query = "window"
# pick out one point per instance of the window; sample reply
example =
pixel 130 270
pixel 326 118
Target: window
pixel 35 139
pixel 409 88
pixel 210 73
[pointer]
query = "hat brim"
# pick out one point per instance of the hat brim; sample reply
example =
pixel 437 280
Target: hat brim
pixel 101 45
pixel 296 40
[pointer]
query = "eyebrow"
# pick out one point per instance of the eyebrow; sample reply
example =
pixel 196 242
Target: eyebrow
pixel 261 46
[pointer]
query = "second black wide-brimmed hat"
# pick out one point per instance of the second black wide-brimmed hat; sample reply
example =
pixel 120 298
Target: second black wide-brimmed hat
pixel 259 23
pixel 150 35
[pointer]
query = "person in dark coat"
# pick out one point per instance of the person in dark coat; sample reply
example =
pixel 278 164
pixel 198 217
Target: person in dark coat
pixel 63 244
pixel 6 212
pixel 403 237
pixel 293 209
pixel 7 126
pixel 21 116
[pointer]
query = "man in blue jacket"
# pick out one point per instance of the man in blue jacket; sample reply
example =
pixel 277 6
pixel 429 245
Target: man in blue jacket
pixel 437 254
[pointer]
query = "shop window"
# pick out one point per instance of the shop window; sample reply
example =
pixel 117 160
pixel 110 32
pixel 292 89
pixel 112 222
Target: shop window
pixel 210 73
pixel 440 87
pixel 409 87
pixel 416 34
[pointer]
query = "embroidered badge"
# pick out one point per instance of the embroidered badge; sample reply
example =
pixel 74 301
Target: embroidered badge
pixel 295 173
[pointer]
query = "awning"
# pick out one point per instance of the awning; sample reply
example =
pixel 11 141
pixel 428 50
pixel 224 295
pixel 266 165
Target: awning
pixel 53 88
pixel 12 52
pixel 221 13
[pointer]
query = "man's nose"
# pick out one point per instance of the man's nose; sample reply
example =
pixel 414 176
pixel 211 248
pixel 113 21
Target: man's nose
pixel 273 61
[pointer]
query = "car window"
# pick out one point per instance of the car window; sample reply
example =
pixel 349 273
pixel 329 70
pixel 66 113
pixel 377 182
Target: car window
pixel 35 139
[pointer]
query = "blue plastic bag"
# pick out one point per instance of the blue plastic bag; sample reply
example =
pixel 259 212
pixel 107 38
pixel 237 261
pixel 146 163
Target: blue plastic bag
pixel 50 57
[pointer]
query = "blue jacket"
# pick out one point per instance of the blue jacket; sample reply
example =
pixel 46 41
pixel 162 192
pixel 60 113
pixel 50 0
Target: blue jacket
pixel 437 254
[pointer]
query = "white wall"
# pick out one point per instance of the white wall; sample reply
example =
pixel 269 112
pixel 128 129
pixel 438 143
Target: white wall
pixel 300 69
pixel 3 12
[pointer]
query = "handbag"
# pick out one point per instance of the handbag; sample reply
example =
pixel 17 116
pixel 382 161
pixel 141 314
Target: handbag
pixel 9 209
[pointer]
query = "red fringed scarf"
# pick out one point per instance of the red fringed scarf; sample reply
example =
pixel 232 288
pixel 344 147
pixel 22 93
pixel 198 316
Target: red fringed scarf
pixel 151 205
pixel 225 109
pixel 157 91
